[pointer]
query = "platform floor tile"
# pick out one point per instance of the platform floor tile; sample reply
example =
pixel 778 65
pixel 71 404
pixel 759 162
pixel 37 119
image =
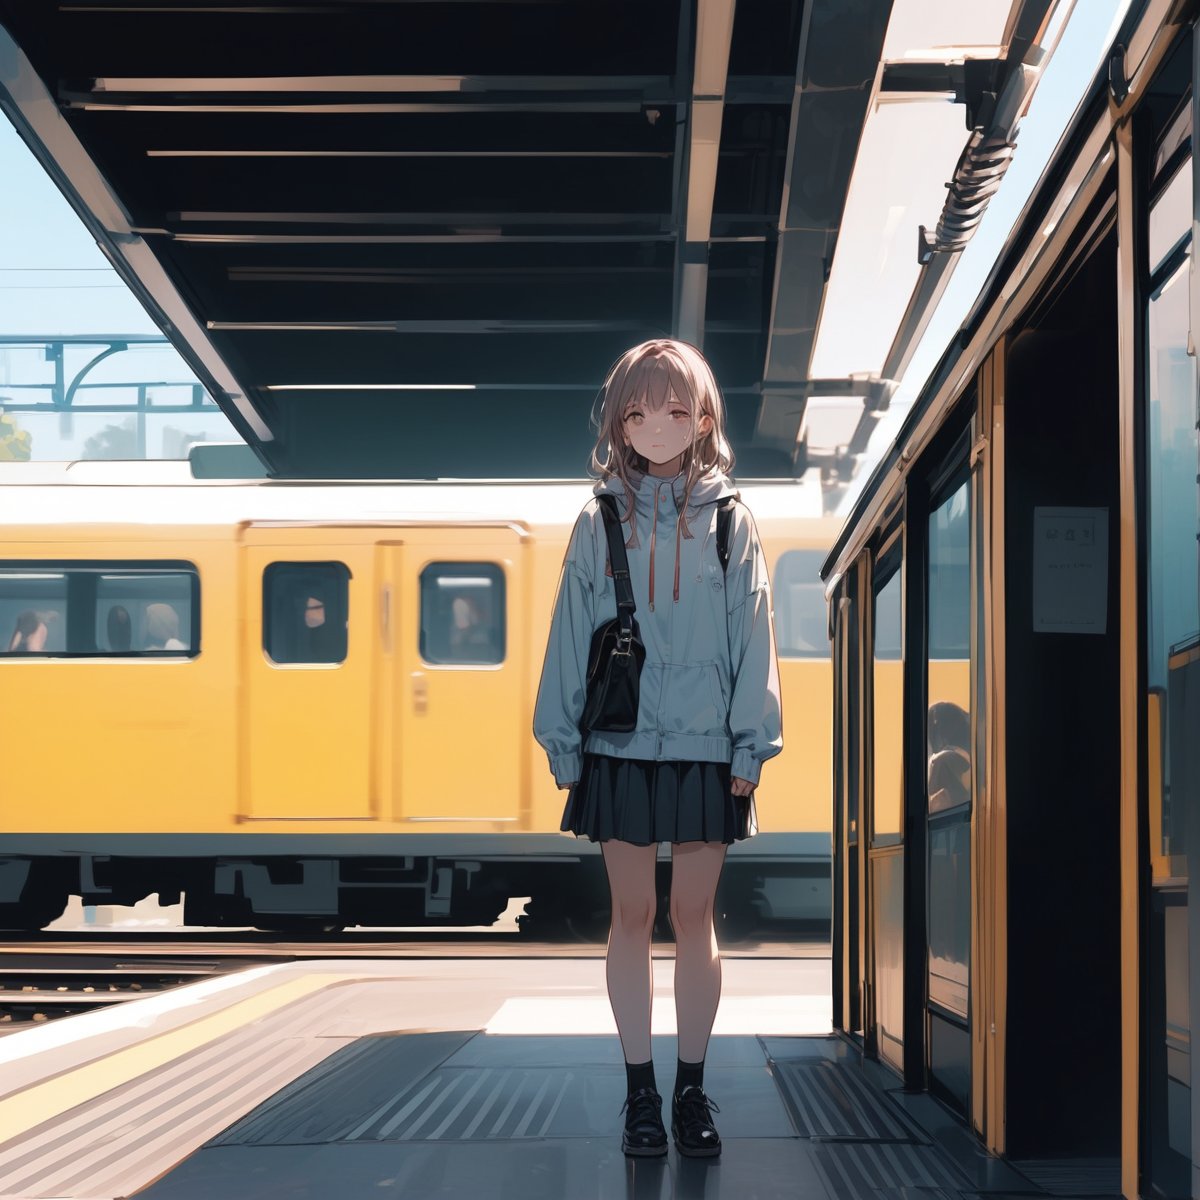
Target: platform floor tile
pixel 567 1169
pixel 1074 1176
pixel 465 1114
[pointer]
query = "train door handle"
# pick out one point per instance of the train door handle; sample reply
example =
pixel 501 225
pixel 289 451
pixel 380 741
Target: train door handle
pixel 386 618
pixel 420 692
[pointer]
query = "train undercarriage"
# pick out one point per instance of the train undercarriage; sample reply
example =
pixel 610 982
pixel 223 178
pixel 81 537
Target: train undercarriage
pixel 566 898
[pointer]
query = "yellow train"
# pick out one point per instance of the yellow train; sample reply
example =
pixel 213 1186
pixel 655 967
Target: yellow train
pixel 309 705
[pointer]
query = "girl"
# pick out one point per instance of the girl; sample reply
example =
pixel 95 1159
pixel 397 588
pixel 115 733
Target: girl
pixel 708 716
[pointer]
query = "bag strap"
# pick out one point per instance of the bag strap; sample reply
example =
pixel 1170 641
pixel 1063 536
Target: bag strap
pixel 724 520
pixel 619 561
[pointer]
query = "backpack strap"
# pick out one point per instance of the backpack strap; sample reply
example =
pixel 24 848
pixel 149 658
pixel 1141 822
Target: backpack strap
pixel 619 562
pixel 724 521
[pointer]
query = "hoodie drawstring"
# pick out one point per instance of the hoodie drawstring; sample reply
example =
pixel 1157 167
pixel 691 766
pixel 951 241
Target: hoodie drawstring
pixel 678 534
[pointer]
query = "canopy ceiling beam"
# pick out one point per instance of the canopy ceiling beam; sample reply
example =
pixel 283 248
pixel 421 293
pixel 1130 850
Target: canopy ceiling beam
pixel 841 43
pixel 709 75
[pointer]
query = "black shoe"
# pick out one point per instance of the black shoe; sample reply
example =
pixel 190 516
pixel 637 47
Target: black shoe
pixel 644 1132
pixel 691 1124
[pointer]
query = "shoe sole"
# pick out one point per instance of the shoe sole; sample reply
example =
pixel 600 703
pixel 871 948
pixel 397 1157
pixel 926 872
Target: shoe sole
pixel 697 1153
pixel 644 1151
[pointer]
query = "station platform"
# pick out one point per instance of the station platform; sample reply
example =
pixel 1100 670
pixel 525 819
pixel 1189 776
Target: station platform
pixel 312 1079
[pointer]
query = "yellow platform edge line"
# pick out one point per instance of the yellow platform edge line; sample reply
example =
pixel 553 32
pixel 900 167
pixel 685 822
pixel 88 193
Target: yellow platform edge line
pixel 40 1102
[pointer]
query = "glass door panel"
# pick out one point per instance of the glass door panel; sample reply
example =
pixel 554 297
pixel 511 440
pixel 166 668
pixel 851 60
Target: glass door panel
pixel 887 816
pixel 1172 703
pixel 948 780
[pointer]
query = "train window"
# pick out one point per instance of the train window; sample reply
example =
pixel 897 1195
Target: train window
pixel 888 702
pixel 139 611
pixel 801 618
pixel 888 609
pixel 1171 216
pixel 1172 608
pixel 96 609
pixel 306 607
pixel 949 579
pixel 462 614
pixel 33 609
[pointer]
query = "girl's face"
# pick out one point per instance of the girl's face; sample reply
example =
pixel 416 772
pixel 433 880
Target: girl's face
pixel 664 433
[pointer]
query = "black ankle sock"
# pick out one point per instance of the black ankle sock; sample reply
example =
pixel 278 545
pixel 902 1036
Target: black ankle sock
pixel 689 1075
pixel 639 1075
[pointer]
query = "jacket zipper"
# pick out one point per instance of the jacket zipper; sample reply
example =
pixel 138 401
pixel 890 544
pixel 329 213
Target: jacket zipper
pixel 653 527
pixel 658 732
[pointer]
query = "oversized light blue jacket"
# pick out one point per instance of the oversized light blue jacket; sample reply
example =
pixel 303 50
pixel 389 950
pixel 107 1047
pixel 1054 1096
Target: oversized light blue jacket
pixel 709 689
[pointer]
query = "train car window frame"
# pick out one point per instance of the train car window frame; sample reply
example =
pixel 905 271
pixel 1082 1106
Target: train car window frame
pixel 283 584
pixel 789 575
pixel 487 634
pixel 1172 198
pixel 82 581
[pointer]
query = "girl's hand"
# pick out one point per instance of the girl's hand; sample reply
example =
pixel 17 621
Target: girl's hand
pixel 740 786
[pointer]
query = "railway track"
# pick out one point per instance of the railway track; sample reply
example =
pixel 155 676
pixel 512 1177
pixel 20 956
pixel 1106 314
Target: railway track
pixel 63 973
pixel 47 984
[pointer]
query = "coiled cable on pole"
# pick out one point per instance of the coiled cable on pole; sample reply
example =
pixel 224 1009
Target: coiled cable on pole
pixel 976 180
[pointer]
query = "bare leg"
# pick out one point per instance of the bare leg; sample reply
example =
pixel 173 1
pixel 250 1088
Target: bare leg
pixel 634 901
pixel 695 870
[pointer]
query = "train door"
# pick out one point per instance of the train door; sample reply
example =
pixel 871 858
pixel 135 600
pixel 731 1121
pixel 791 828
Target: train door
pixel 310 616
pixel 1060 711
pixel 461 730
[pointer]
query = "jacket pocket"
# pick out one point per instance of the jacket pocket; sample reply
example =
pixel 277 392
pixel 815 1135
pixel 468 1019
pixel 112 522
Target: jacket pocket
pixel 692 700
pixel 718 691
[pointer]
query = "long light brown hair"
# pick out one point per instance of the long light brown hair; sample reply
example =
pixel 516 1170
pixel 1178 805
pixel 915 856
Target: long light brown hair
pixel 650 374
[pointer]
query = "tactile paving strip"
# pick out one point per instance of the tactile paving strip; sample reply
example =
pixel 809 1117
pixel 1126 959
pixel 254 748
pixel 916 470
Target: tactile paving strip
pixel 367 1081
pixel 831 1100
pixel 861 1171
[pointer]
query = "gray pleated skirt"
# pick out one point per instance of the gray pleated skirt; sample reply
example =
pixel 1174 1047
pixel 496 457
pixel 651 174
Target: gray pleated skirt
pixel 639 801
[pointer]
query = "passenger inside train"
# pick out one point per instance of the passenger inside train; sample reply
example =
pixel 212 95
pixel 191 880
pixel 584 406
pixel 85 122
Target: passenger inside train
pixel 318 640
pixel 162 628
pixel 29 633
pixel 119 626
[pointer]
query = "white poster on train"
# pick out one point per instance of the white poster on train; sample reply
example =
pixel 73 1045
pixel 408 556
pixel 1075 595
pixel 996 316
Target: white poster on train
pixel 1070 570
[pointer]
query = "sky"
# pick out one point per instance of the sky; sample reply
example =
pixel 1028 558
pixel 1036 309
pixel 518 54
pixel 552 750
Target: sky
pixel 54 279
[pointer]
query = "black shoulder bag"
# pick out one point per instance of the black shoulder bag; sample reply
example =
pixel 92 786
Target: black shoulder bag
pixel 616 656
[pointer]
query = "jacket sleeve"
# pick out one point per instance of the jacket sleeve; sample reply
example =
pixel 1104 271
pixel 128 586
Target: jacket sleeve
pixel 755 711
pixel 563 686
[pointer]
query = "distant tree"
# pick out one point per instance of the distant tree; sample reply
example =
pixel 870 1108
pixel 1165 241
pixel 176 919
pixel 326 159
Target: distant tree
pixel 16 444
pixel 114 441
pixel 177 441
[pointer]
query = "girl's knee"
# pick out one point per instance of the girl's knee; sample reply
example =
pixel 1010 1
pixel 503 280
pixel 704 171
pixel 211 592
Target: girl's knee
pixel 692 920
pixel 634 914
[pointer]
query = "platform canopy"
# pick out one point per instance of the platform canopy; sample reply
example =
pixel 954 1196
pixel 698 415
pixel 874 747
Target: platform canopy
pixel 407 239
